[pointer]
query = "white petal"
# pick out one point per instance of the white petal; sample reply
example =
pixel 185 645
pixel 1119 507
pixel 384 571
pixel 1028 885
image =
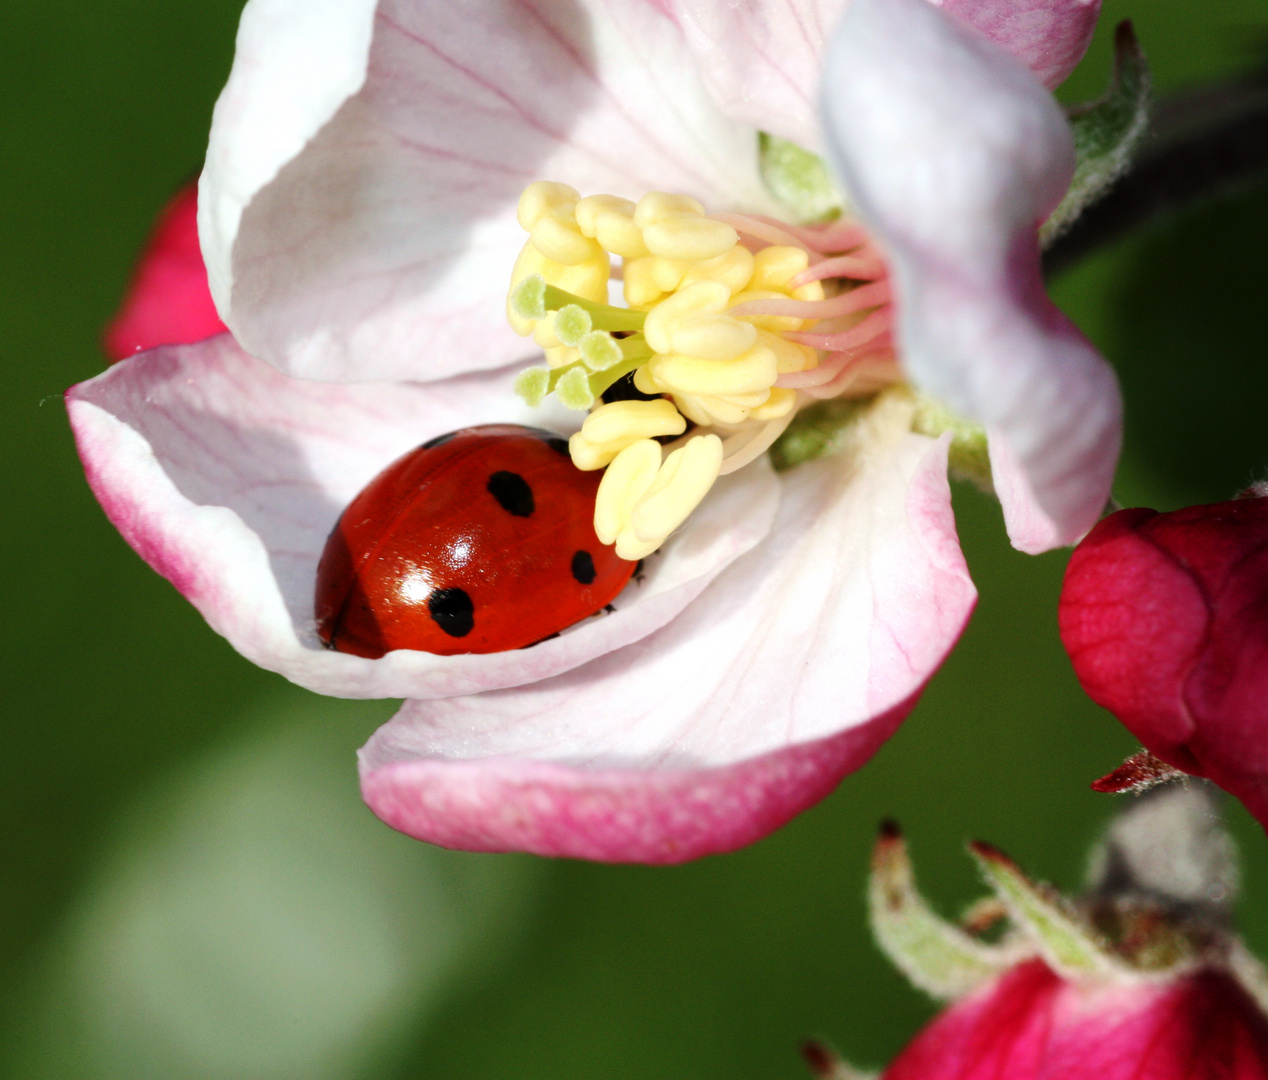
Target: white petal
pixel 953 153
pixel 833 623
pixel 384 248
pixel 760 59
pixel 227 476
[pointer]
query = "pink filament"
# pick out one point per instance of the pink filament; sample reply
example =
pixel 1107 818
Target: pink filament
pixel 838 236
pixel 877 323
pixel 848 303
pixel 865 266
pixel 827 370
pixel 868 373
pixel 761 228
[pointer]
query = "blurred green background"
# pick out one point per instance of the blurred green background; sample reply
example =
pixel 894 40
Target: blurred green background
pixel 189 885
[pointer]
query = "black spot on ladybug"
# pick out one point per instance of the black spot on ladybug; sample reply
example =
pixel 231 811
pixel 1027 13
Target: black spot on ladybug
pixel 451 610
pixel 512 493
pixel 439 440
pixel 583 567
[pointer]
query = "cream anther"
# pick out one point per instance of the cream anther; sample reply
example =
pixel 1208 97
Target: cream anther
pixel 544 197
pixel 658 206
pixel 775 267
pixel 734 269
pixel 610 221
pixel 548 213
pixel 648 279
pixel 683 480
pixel 690 322
pixel 625 482
pixel 789 355
pixel 779 403
pixel 749 373
pixel 612 427
pixel 691 238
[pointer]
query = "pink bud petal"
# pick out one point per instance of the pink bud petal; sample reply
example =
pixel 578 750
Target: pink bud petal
pixel 1030 1025
pixel 1165 617
pixel 1048 36
pixel 168 302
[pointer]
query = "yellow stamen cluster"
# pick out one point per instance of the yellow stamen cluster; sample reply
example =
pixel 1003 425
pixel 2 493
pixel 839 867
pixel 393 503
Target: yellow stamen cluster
pixel 684 277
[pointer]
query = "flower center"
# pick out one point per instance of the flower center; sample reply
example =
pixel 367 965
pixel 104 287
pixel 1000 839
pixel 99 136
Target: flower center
pixel 733 322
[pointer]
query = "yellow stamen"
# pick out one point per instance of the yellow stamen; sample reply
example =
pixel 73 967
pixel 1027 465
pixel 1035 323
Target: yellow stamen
pixel 683 480
pixel 641 501
pixel 685 336
pixel 751 372
pixel 612 427
pixel 625 482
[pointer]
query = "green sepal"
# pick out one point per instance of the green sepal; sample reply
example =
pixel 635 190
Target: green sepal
pixel 968 457
pixel 798 179
pixel 816 431
pixel 936 955
pixel 1069 945
pixel 1106 133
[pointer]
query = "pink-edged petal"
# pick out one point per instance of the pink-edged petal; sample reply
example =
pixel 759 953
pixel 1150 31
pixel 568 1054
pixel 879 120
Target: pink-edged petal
pixel 1048 36
pixel 953 154
pixel 168 302
pixel 384 248
pixel 227 476
pixel 760 59
pixel 784 675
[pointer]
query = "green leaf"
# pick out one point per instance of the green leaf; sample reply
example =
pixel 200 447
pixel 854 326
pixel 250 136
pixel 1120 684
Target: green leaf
pixel 798 179
pixel 1106 133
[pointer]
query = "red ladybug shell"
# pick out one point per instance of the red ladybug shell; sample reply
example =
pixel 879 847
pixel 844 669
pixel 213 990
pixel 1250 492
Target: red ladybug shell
pixel 478 541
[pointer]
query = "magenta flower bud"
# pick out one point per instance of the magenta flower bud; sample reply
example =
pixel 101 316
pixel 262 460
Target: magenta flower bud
pixel 169 301
pixel 1140 977
pixel 1031 1023
pixel 1165 617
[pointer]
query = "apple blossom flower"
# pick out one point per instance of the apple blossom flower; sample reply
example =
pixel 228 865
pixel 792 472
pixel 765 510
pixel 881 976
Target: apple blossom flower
pixel 168 301
pixel 1140 978
pixel 358 218
pixel 1165 618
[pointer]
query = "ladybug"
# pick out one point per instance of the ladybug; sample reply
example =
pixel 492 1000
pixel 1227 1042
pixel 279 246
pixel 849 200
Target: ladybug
pixel 478 541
